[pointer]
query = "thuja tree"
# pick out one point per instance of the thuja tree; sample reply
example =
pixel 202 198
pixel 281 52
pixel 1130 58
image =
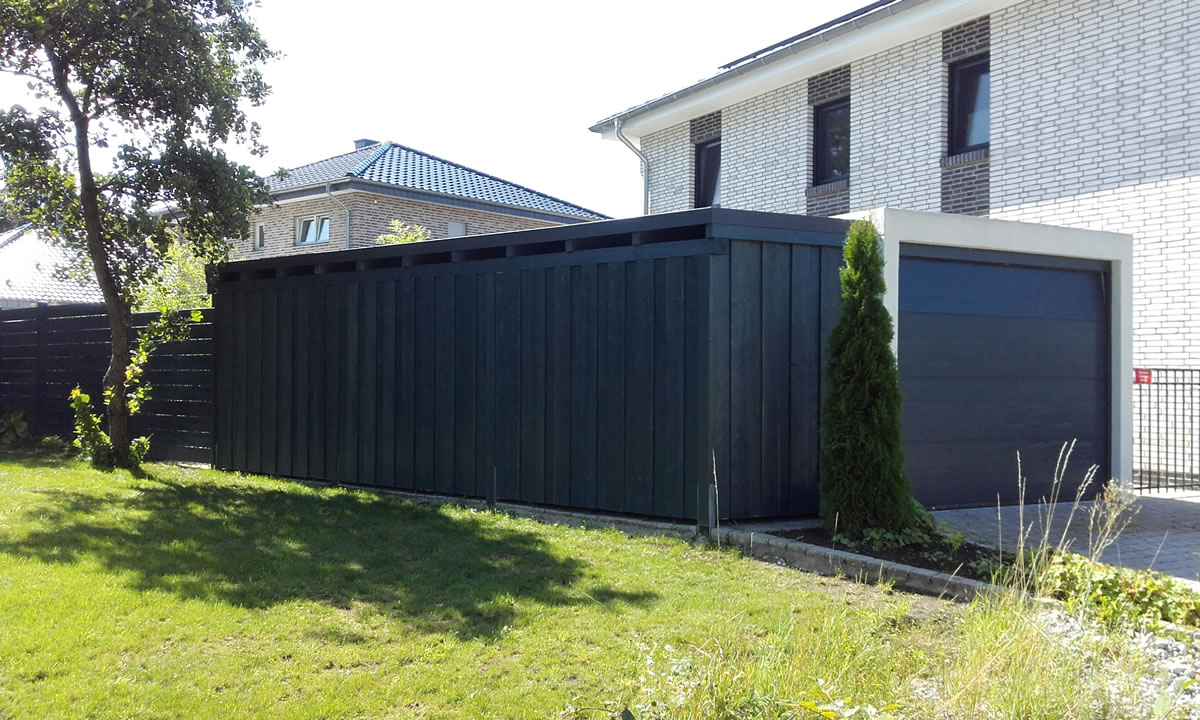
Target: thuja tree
pixel 157 88
pixel 863 483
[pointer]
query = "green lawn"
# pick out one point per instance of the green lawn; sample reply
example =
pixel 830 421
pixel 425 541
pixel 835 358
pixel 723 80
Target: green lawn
pixel 195 593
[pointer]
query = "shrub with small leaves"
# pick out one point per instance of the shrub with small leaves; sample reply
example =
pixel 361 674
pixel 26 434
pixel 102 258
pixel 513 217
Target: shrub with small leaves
pixel 1118 595
pixel 91 439
pixel 14 429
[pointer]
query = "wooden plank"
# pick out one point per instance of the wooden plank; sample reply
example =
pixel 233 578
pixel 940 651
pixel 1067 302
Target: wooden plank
pixel 485 419
pixel 443 415
pixel 426 397
pixel 225 398
pixel 406 348
pixel 348 385
pixel 367 388
pixel 318 379
pixel 508 362
pixel 303 351
pixel 533 386
pixel 334 317
pixel 465 357
pixel 270 361
pixel 639 388
pixel 776 380
pixel 610 429
pixel 385 443
pixel 806 364
pixel 558 399
pixel 583 358
pixel 669 377
pixel 254 385
pixel 719 359
pixel 745 338
pixel 239 406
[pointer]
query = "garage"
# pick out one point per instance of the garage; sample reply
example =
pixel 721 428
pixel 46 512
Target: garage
pixel 1002 354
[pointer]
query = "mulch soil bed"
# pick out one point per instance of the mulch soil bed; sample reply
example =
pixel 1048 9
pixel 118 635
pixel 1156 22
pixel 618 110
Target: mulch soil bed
pixel 967 560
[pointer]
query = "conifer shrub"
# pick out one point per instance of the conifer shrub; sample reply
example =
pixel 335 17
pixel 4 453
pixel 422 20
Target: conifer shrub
pixel 863 483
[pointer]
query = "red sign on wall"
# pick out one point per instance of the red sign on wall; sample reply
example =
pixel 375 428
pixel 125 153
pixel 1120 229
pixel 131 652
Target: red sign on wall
pixel 1142 376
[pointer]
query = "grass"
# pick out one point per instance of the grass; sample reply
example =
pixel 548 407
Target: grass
pixel 197 593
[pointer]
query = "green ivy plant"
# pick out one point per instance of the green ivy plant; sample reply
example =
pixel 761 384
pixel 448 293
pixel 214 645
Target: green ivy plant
pixel 91 439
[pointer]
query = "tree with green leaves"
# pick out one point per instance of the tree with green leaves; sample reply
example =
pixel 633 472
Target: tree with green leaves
pixel 863 483
pixel 159 87
pixel 402 234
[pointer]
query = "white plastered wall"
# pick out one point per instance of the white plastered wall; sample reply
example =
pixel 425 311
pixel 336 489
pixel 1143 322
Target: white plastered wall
pixel 960 231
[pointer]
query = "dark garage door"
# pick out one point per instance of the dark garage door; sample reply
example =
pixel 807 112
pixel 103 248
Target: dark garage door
pixel 997 359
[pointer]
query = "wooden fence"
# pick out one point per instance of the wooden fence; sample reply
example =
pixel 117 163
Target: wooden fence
pixel 46 351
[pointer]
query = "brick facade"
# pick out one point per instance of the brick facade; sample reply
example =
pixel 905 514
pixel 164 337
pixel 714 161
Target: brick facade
pixel 966 40
pixel 966 178
pixel 831 85
pixel 371 215
pixel 1095 123
pixel 703 129
pixel 966 183
pixel 831 198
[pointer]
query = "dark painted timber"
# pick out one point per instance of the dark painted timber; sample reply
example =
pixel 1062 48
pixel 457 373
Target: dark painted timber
pixel 48 350
pixel 604 366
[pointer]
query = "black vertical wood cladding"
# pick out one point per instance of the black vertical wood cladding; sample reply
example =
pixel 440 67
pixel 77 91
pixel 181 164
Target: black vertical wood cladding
pixel 610 380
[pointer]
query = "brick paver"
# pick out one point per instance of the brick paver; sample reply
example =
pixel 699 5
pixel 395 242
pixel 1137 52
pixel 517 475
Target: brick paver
pixel 1163 535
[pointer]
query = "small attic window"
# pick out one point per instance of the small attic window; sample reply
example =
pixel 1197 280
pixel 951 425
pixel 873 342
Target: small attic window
pixel 312 230
pixel 456 229
pixel 260 236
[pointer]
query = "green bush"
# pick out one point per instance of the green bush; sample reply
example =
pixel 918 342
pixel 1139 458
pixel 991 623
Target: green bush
pixel 14 429
pixel 93 442
pixel 1118 595
pixel 863 483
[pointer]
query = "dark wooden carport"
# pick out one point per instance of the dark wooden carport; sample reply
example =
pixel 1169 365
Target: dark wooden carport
pixel 609 366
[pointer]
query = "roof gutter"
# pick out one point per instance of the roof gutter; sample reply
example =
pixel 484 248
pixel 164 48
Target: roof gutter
pixel 931 14
pixel 645 165
pixel 329 192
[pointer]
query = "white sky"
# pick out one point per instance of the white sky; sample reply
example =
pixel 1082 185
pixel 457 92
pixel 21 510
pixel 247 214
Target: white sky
pixel 509 88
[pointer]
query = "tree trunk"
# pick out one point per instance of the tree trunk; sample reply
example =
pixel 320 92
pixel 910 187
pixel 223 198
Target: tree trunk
pixel 120 318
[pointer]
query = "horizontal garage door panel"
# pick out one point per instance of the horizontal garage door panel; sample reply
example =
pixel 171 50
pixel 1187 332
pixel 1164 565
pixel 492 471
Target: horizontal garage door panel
pixel 948 286
pixel 996 360
pixel 1000 408
pixel 940 479
pixel 995 347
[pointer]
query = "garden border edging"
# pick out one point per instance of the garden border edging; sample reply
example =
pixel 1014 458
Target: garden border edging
pixel 828 561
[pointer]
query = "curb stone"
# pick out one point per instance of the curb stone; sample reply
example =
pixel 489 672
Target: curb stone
pixel 758 545
pixel 828 561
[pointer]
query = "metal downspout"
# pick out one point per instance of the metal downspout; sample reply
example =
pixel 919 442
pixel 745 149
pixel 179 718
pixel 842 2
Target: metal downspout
pixel 344 209
pixel 645 166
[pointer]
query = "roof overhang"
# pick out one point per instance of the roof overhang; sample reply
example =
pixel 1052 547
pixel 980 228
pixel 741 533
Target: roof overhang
pixel 874 32
pixel 351 184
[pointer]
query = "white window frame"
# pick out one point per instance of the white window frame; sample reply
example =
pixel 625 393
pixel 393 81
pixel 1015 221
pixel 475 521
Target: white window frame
pixel 316 220
pixel 258 243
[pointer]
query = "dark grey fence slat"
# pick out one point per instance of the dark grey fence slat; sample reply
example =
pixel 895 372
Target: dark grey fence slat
pixel 46 351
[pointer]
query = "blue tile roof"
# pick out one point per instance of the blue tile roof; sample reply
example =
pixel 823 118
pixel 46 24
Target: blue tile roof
pixel 394 164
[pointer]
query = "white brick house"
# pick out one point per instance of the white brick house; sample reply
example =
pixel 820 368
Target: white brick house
pixel 349 200
pixel 1094 123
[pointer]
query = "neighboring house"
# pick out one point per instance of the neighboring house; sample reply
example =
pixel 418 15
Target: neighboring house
pixel 33 270
pixel 349 200
pixel 1082 113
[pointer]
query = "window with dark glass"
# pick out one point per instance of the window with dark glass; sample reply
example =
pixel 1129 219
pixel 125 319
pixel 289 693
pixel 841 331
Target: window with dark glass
pixel 831 142
pixel 970 104
pixel 708 173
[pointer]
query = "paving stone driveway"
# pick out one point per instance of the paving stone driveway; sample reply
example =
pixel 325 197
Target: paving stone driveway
pixel 1164 535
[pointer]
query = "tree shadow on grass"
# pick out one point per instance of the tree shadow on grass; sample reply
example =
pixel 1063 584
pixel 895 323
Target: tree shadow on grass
pixel 257 547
